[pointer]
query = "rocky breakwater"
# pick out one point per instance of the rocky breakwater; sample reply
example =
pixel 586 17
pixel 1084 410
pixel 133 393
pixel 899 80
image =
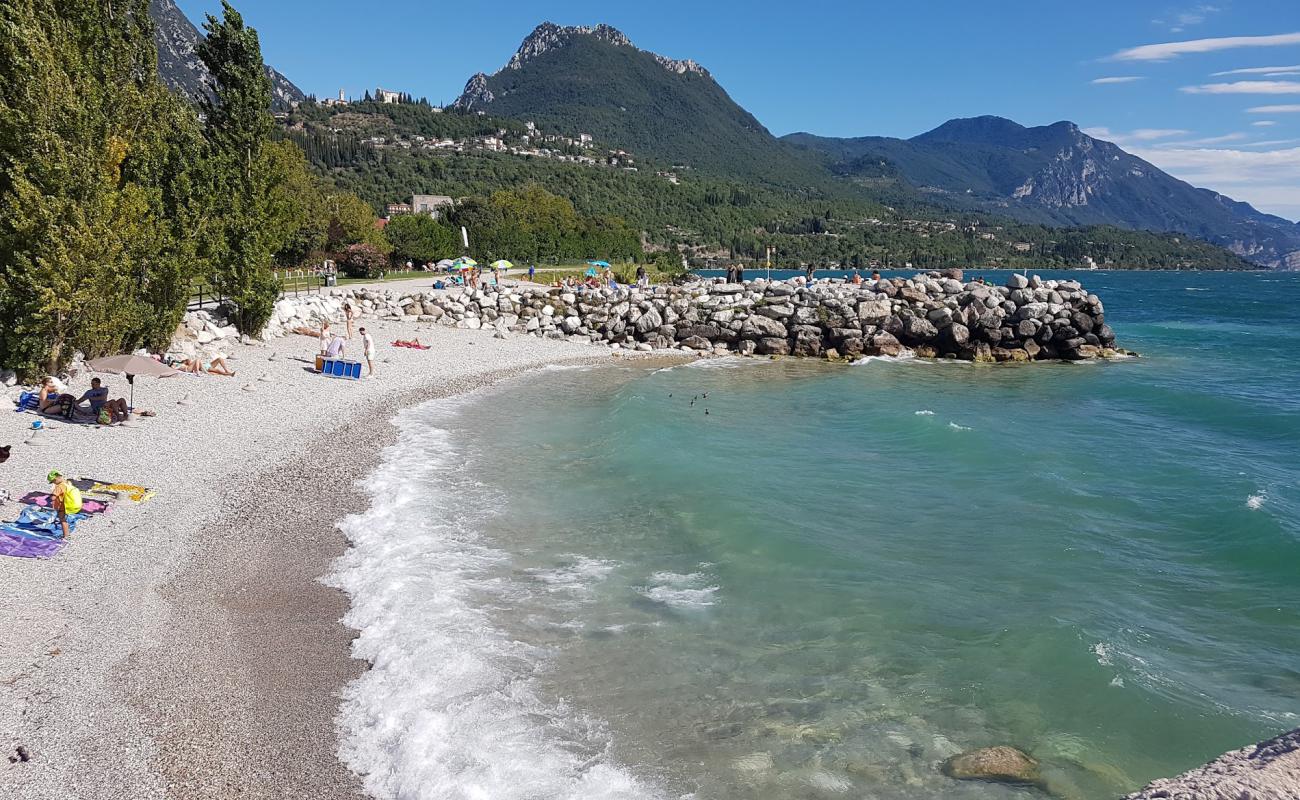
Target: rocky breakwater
pixel 1267 771
pixel 932 314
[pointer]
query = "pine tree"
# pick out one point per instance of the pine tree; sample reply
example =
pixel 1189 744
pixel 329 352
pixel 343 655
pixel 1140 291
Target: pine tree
pixel 254 220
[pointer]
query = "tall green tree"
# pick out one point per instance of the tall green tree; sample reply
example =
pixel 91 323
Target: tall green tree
pixel 96 197
pixel 255 218
pixel 420 238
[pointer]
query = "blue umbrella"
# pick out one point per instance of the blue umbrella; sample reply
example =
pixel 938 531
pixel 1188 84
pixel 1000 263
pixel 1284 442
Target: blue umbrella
pixel 591 272
pixel 604 264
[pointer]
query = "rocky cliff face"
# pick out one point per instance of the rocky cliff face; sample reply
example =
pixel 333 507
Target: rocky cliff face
pixel 180 68
pixel 549 36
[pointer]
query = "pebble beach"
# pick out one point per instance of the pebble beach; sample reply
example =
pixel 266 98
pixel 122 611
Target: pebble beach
pixel 183 646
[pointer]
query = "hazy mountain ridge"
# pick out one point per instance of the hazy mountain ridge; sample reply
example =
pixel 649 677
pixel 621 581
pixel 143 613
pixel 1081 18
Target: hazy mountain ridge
pixel 179 65
pixel 1058 174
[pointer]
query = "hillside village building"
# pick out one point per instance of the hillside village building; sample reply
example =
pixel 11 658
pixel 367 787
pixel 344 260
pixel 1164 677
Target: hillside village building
pixel 434 205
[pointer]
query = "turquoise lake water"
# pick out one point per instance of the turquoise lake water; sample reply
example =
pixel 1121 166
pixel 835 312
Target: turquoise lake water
pixel 839 576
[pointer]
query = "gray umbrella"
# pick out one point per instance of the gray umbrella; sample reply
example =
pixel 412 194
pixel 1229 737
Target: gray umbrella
pixel 131 366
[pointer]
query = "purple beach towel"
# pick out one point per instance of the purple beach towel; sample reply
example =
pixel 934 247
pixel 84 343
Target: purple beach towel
pixel 24 546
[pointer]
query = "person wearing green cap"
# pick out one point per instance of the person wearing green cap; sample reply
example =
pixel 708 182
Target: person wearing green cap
pixel 65 498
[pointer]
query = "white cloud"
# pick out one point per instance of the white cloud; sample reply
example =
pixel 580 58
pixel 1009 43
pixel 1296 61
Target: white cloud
pixel 1192 16
pixel 1271 143
pixel 1139 135
pixel 1288 109
pixel 1254 71
pixel 1116 79
pixel 1268 180
pixel 1231 137
pixel 1168 50
pixel 1264 123
pixel 1246 87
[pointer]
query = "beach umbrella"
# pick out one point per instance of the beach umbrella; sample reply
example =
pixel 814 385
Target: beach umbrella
pixel 446 264
pixel 502 264
pixel 591 272
pixel 131 365
pixel 604 264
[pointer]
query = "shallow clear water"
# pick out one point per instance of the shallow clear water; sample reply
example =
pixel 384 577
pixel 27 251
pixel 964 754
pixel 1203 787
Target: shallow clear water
pixel 582 585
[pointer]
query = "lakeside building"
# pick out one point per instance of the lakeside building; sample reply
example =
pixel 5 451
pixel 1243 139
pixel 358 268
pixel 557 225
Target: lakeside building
pixel 385 96
pixel 397 209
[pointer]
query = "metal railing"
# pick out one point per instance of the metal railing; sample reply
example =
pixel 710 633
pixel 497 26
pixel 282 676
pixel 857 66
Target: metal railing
pixel 295 282
pixel 202 295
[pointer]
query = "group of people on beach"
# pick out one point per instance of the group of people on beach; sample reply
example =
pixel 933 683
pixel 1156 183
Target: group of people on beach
pixel 333 345
pixel 53 400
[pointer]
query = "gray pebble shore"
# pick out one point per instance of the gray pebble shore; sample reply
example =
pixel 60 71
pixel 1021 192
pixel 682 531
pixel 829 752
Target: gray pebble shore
pixel 183 647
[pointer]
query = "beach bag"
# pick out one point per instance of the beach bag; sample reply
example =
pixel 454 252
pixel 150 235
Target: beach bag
pixel 104 417
pixel 71 499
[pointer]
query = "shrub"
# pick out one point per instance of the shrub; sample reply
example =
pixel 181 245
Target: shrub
pixel 363 261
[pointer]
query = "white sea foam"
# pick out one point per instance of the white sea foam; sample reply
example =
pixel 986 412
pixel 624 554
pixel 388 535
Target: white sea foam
pixel 906 355
pixel 1102 651
pixel 957 427
pixel 449 708
pixel 1195 289
pixel 925 412
pixel 578 577
pixel 1255 501
pixel 675 590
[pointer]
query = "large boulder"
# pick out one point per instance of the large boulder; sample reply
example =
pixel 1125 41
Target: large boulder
pixel 873 312
pixel 757 327
pixel 1266 771
pixel 918 329
pixel 772 346
pixel 1017 281
pixel 1003 763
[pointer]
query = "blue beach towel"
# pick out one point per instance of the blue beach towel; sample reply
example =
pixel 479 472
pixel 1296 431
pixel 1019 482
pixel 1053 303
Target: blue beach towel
pixel 28 401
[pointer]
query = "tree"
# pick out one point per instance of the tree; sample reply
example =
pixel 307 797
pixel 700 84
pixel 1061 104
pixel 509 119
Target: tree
pixel 97 206
pixel 254 218
pixel 351 221
pixel 419 238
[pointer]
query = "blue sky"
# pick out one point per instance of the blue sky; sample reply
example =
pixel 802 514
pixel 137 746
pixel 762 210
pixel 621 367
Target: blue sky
pixel 1150 76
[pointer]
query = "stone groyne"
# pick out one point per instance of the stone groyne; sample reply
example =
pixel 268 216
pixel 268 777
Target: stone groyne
pixel 932 314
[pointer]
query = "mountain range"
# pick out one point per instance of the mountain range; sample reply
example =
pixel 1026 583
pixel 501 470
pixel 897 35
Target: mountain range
pixel 675 111
pixel 674 114
pixel 1058 175
pixel 179 65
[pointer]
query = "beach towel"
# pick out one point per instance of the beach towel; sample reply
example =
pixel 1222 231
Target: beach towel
pixel 109 490
pixel 88 505
pixel 43 521
pixel 28 401
pixel 25 546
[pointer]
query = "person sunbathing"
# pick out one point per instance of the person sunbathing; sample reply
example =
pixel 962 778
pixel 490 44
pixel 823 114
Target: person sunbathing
pixel 412 343
pixel 50 400
pixel 215 365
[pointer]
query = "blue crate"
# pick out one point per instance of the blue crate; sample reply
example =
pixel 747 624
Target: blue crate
pixel 341 368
